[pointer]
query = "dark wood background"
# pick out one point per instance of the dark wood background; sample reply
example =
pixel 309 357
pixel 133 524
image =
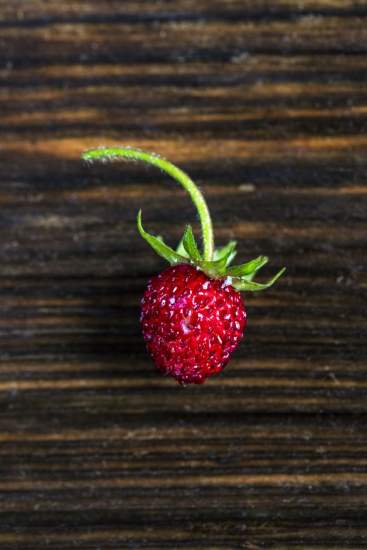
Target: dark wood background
pixel 264 103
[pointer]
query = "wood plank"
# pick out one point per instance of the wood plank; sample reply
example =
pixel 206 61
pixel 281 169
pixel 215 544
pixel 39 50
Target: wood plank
pixel 265 105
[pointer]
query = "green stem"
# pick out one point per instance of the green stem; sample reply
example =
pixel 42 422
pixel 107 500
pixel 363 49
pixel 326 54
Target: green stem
pixel 112 153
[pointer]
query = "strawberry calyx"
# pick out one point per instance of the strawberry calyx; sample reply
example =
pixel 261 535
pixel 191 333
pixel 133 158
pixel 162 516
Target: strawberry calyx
pixel 214 262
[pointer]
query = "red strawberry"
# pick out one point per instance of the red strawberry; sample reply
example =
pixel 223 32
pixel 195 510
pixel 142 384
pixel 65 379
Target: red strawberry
pixel 191 323
pixel 193 316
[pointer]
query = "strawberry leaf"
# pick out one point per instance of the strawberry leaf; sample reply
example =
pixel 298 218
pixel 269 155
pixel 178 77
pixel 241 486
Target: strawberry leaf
pixel 245 284
pixel 248 269
pixel 159 246
pixel 190 245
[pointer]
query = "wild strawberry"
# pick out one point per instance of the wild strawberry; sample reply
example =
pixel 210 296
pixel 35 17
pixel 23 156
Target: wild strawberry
pixel 191 323
pixel 192 315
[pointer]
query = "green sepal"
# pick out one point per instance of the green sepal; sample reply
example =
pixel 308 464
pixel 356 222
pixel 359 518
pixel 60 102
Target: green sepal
pixel 248 269
pixel 159 246
pixel 190 246
pixel 181 249
pixel 245 284
pixel 219 253
pixel 216 262
pixel 217 268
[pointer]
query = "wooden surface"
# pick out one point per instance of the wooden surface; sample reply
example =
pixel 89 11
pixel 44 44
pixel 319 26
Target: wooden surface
pixel 265 105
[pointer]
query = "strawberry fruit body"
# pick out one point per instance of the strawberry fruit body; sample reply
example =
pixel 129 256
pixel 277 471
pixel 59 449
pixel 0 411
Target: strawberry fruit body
pixel 192 314
pixel 191 323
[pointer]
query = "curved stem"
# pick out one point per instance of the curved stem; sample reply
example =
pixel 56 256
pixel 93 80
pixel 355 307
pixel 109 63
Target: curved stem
pixel 112 153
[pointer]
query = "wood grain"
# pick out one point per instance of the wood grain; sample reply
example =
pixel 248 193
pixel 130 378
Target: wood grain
pixel 265 105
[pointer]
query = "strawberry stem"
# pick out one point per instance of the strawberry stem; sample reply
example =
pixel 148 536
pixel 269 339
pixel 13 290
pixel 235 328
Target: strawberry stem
pixel 114 153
